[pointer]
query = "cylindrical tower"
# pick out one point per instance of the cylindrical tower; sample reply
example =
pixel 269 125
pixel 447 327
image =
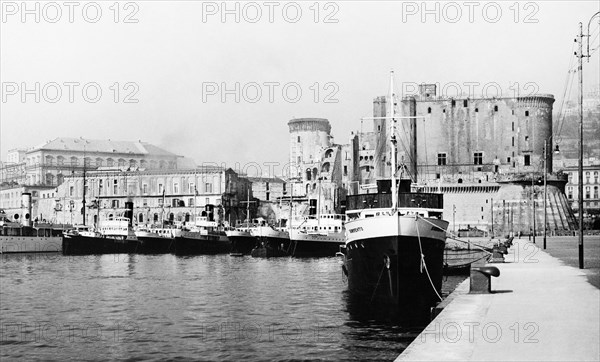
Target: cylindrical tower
pixel 308 138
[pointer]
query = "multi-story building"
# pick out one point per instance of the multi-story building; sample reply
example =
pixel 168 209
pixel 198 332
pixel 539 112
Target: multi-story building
pixel 591 184
pixel 270 189
pixel 161 195
pixel 49 163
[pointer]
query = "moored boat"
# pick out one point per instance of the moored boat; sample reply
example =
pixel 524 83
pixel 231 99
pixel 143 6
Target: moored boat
pixel 28 237
pixel 155 240
pixel 395 240
pixel 318 236
pixel 271 242
pixel 202 236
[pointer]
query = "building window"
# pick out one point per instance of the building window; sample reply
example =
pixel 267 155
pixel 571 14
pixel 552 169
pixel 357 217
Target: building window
pixel 144 202
pixel 115 185
pixel 478 158
pixel 71 190
pixel 513 127
pixel 465 103
pixel 161 202
pixel 595 177
pixel 207 201
pixel 526 113
pixel 267 196
pixel 191 201
pixel 513 142
pixel 176 187
pixel 115 204
pixel 453 103
pixel 368 169
pixel 267 186
pixel 160 189
pixel 476 110
pixel 145 189
pixel 109 162
pixel 587 177
pixel 345 171
pixel 208 188
pixel 587 192
pixel 192 188
pixel 595 192
pixel 298 139
pixel 570 193
pixel 495 108
pixel 527 161
pixel 508 159
pixel 428 109
pixel 441 157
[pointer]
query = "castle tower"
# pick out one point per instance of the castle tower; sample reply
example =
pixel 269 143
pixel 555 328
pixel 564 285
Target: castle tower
pixel 309 138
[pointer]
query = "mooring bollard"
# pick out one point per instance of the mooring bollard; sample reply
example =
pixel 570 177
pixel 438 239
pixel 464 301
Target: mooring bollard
pixel 481 279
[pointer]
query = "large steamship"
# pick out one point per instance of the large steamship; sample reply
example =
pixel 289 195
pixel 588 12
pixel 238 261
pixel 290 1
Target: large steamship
pixel 395 242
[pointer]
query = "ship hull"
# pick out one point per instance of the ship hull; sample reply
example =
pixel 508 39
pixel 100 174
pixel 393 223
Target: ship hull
pixel 316 245
pixel 195 244
pixel 242 243
pixel 88 245
pixel 154 245
pixel 271 247
pixel 30 244
pixel 383 262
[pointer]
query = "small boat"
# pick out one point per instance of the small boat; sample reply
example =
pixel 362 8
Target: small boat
pixel 242 240
pixel 28 237
pixel 272 242
pixel 202 236
pixel 155 240
pixel 318 236
pixel 457 261
pixel 115 236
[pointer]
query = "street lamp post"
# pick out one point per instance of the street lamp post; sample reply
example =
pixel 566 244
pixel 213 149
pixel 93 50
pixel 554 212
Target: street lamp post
pixel 545 187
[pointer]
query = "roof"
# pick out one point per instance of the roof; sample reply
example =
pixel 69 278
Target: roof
pixel 104 146
pixel 265 179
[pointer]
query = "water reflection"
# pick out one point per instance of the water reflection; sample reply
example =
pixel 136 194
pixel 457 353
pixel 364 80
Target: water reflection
pixel 160 307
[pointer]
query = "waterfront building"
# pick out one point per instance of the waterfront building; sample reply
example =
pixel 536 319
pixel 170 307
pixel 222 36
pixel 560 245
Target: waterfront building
pixel 162 195
pixel 49 163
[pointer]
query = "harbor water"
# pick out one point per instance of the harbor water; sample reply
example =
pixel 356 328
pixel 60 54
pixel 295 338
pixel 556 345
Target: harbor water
pixel 157 307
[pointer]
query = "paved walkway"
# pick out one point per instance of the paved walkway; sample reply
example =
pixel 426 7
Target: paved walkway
pixel 542 310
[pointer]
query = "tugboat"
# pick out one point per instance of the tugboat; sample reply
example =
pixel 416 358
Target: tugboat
pixel 202 236
pixel 242 240
pixel 115 236
pixel 395 239
pixel 272 242
pixel 27 237
pixel 318 236
pixel 154 240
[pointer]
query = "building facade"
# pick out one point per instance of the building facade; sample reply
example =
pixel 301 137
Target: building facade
pixel 49 163
pixel 159 196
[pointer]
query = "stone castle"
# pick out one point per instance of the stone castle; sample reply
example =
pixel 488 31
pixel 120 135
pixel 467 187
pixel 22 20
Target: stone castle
pixel 486 155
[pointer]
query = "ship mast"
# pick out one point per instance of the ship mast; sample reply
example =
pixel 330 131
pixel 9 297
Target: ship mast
pixel 393 142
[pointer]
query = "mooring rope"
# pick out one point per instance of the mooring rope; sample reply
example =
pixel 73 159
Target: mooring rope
pixel 454 237
pixel 423 265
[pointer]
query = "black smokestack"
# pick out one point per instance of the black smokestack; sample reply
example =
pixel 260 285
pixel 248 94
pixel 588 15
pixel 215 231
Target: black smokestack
pixel 129 212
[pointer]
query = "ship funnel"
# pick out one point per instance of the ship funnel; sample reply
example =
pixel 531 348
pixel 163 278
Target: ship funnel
pixel 26 200
pixel 129 212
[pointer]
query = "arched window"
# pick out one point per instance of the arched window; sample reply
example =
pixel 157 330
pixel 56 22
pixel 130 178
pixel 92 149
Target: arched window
pixel 315 173
pixel 110 162
pixel 74 161
pixel 308 174
pixel 49 160
pixel 99 162
pixel 121 162
pixel 59 179
pixel 140 218
pixel 328 153
pixel 155 217
pixel 132 163
pixel 60 160
pixel 325 167
pixel 49 179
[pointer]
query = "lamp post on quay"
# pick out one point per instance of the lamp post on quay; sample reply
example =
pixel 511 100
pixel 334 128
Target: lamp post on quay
pixel 557 151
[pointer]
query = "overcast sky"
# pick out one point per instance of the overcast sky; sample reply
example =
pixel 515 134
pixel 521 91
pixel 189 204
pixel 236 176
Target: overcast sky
pixel 174 57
